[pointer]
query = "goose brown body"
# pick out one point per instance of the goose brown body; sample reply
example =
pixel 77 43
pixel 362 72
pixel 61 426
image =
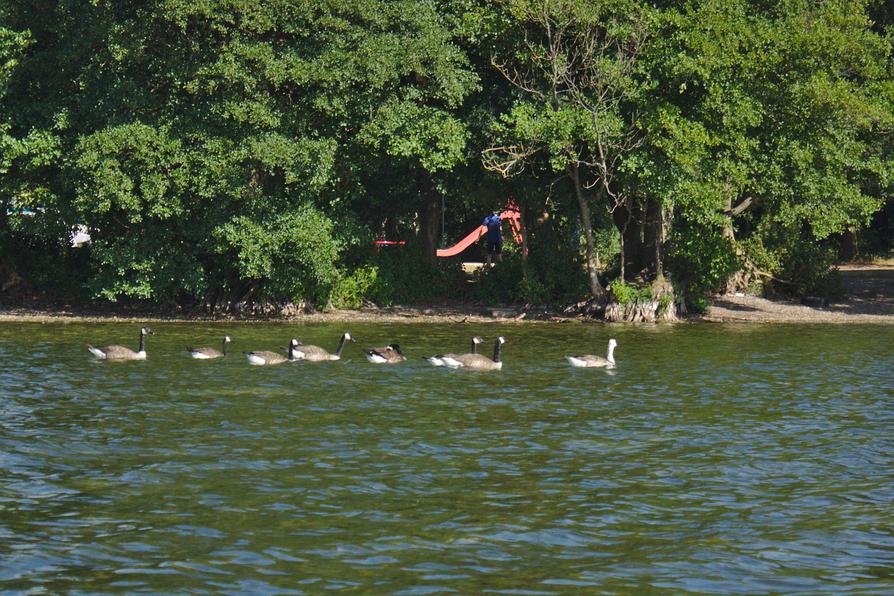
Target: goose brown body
pixel 317 354
pixel 209 353
pixel 115 352
pixel 390 354
pixel 265 357
pixel 591 361
pixel 478 361
pixel 440 359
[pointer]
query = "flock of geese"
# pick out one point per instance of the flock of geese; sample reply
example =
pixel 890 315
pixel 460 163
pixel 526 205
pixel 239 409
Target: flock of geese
pixel 390 354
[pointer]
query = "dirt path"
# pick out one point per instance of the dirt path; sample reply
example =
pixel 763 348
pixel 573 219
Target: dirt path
pixel 870 299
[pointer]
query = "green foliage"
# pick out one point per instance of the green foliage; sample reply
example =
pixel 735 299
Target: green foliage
pixel 142 269
pixel 811 268
pixel 701 261
pixel 12 46
pixel 625 293
pixel 509 282
pixel 134 171
pixel 805 268
pixel 403 277
pixel 532 290
pixel 294 253
pixel 664 302
pixel 555 267
pixel 211 145
pixel 353 288
pixel 501 283
pixel 780 105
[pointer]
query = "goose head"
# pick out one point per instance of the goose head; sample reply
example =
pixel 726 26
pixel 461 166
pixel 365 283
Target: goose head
pixel 396 348
pixel 227 339
pixel 347 336
pixel 146 331
pixel 477 340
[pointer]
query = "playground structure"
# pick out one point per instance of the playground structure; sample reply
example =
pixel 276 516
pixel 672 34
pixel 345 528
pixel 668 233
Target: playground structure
pixel 510 213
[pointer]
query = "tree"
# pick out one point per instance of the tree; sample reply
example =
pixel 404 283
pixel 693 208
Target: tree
pixel 573 63
pixel 767 124
pixel 188 126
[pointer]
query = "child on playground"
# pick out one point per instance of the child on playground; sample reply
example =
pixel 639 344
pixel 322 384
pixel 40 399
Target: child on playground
pixel 494 226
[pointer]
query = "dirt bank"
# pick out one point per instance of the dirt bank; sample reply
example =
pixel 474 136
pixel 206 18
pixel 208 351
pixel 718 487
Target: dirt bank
pixel 403 314
pixel 870 290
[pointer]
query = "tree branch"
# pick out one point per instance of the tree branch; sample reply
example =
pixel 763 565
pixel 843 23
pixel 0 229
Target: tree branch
pixel 738 209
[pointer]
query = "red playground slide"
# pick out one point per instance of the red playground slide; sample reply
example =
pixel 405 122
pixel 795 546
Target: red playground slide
pixel 511 213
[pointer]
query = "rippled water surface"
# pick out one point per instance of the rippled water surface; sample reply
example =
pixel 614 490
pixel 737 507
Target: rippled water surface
pixel 713 459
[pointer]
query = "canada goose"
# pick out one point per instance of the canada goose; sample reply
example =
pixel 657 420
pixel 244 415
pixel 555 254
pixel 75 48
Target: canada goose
pixel 208 353
pixel 262 357
pixel 390 354
pixel 120 352
pixel 588 360
pixel 318 354
pixel 438 359
pixel 477 361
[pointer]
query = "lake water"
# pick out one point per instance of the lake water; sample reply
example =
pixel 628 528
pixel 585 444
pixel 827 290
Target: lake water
pixel 713 459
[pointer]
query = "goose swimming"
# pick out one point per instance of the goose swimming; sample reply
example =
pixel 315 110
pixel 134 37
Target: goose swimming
pixel 209 353
pixel 478 361
pixel 318 354
pixel 264 357
pixel 590 361
pixel 438 359
pixel 390 354
pixel 115 352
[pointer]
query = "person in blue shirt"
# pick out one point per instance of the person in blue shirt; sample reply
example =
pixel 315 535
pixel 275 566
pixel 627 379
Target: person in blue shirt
pixel 494 225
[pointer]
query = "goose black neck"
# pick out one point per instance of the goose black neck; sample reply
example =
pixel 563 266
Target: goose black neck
pixel 291 352
pixel 341 345
pixel 474 347
pixel 142 342
pixel 224 347
pixel 498 350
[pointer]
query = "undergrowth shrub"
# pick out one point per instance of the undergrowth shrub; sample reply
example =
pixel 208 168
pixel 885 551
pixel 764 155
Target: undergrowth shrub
pixel 701 261
pixel 295 252
pixel 803 265
pixel 501 283
pixel 403 277
pixel 625 293
pixel 352 288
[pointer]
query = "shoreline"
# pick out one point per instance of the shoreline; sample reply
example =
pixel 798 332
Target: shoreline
pixel 724 309
pixel 870 300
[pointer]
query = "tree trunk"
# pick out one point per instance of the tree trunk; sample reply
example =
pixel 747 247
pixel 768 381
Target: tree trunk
pixel 628 219
pixel 847 246
pixel 430 214
pixel 744 277
pixel 653 239
pixel 595 287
